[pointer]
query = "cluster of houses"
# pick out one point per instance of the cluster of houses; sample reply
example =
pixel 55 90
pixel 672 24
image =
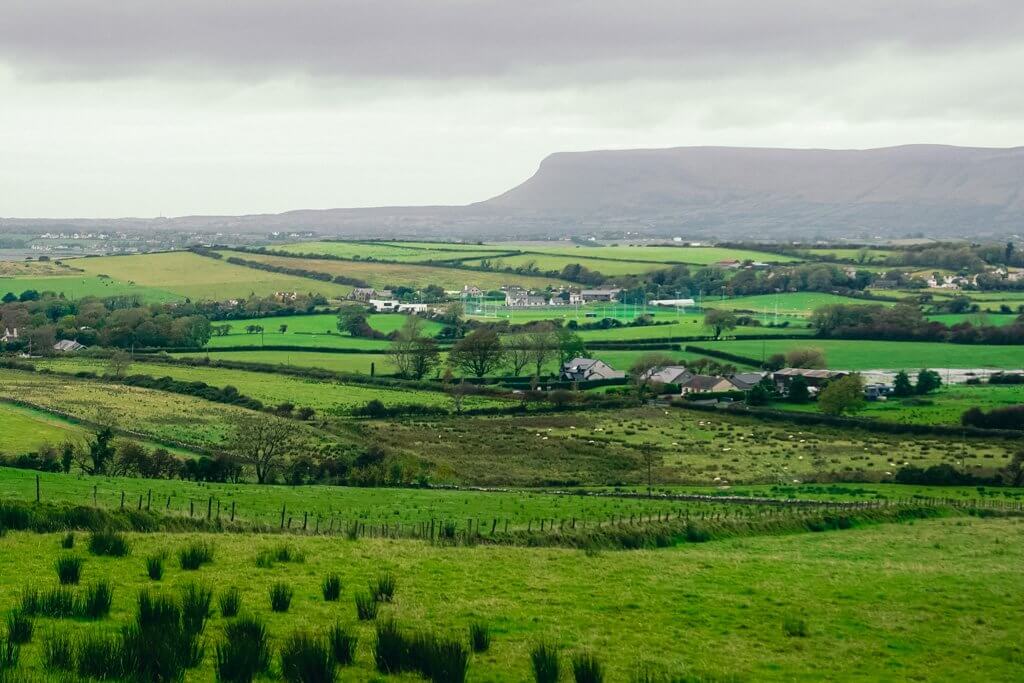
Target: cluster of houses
pixel 517 297
pixel 63 346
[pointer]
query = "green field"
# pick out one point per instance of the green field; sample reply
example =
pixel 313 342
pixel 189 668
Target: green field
pixel 24 429
pixel 871 256
pixel 787 304
pixel 657 254
pixel 313 331
pixel 387 251
pixel 339 362
pixel 381 275
pixel 554 262
pixel 691 325
pixel 78 286
pixel 331 398
pixel 976 319
pixel 849 354
pixel 202 278
pixel 888 602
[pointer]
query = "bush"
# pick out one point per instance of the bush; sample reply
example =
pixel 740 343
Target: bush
pixel 100 656
pixel 68 542
pixel 69 569
pixel 794 627
pixel 586 669
pixel 96 602
pixel 343 645
pixel 19 627
pixel 58 652
pixel 306 659
pixel 195 555
pixel 195 607
pixel 245 651
pixel 479 637
pixel 280 597
pixel 366 606
pixel 384 589
pixel 331 588
pixel 230 602
pixel 544 661
pixel 155 567
pixel 108 542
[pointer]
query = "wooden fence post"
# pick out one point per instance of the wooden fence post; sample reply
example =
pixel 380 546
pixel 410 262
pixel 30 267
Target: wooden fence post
pixel 232 511
pixel 122 500
pixel 282 515
pixel 37 488
pixel 149 498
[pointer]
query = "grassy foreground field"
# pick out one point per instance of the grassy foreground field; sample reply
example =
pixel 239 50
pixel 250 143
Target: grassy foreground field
pixel 339 362
pixel 878 603
pixel 25 429
pixel 78 286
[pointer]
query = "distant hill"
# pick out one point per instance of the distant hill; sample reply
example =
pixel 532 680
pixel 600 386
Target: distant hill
pixel 700 192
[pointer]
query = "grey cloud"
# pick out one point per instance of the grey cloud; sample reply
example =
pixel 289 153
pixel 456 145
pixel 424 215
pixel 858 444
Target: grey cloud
pixel 479 39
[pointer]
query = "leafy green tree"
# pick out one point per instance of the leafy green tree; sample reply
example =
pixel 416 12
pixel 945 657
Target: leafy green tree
pixel 720 321
pixel 844 395
pixel 928 381
pixel 478 353
pixel 901 384
pixel 758 395
pixel 352 320
pixel 798 391
pixel 100 454
pixel 570 345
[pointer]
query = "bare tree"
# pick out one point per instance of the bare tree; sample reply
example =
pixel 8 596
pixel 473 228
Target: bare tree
pixel 263 443
pixel 518 353
pixel 478 353
pixel 414 354
pixel 119 363
pixel 544 346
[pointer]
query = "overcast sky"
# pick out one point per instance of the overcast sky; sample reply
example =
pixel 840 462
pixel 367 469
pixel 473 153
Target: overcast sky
pixel 159 107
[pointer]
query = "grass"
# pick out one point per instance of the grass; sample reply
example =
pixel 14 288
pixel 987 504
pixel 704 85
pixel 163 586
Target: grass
pixel 244 653
pixel 230 602
pixel 479 636
pixel 339 362
pixel 554 262
pixel 306 658
pixel 19 627
pixel 787 304
pixel 314 330
pixel 943 585
pixel 108 543
pixel 881 355
pixel 390 251
pixel 366 606
pixel 69 569
pixel 25 429
pixel 544 661
pixel 155 566
pixel 586 668
pixel 331 588
pixel 280 597
pixel 383 589
pixel 381 275
pixel 195 555
pixel 661 254
pixel 78 286
pixel 343 643
pixel 200 278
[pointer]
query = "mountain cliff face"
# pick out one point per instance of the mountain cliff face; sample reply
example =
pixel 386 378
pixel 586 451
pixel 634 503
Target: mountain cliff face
pixel 938 190
pixel 697 192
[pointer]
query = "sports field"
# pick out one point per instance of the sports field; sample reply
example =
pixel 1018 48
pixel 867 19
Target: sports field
pixel 198 277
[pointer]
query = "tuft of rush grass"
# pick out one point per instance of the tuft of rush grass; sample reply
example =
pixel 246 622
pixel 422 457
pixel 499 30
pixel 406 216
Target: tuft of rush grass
pixel 390 651
pixel 383 589
pixel 343 645
pixel 108 542
pixel 279 553
pixel 19 627
pixel 195 555
pixel 9 654
pixel 366 606
pixel 230 602
pixel 68 541
pixel 163 642
pixel 795 627
pixel 58 651
pixel 544 662
pixel 306 659
pixel 195 607
pixel 96 602
pixel 280 597
pixel 155 566
pixel 331 587
pixel 99 655
pixel 69 569
pixel 57 602
pixel 479 636
pixel 245 651
pixel 439 659
pixel 586 668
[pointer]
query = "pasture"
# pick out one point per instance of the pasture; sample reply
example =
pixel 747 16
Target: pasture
pixel 79 286
pixel 851 354
pixel 700 256
pixel 25 429
pixel 313 330
pixel 786 304
pixel 864 256
pixel 946 586
pixel 555 262
pixel 338 362
pixel 384 275
pixel 201 278
pixel 388 251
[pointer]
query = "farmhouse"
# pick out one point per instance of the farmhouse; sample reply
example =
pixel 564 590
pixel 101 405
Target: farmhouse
pixel 699 384
pixel 670 374
pixel 745 381
pixel 470 291
pixel 68 346
pixel 587 369
pixel 368 293
pixel 522 299
pixel 9 335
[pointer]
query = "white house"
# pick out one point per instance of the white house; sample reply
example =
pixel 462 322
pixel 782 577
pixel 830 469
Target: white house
pixel 68 346
pixel 385 305
pixel 9 335
pixel 522 299
pixel 586 369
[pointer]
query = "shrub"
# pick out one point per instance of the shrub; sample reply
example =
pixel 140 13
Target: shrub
pixel 306 659
pixel 366 606
pixel 244 653
pixel 384 589
pixel 195 607
pixel 99 655
pixel 69 569
pixel 68 542
pixel 108 542
pixel 230 602
pixel 19 627
pixel 95 604
pixel 343 645
pixel 794 627
pixel 586 668
pixel 195 555
pixel 280 597
pixel 331 588
pixel 479 637
pixel 155 567
pixel 58 652
pixel 544 661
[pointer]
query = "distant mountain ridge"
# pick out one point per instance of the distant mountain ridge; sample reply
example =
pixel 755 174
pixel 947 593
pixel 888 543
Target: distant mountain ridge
pixel 698 192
